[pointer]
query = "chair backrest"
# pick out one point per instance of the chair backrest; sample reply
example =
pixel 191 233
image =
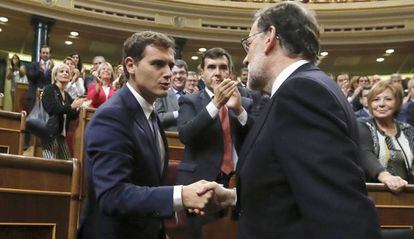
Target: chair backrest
pixel 39 198
pixel 12 127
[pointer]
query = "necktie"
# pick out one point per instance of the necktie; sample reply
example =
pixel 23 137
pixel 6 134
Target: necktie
pixel 227 164
pixel 154 127
pixel 180 93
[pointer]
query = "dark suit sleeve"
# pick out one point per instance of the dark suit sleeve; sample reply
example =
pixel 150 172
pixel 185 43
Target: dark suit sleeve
pixel 167 118
pixel 313 144
pixel 369 162
pixel 110 150
pixel 33 73
pixel 193 120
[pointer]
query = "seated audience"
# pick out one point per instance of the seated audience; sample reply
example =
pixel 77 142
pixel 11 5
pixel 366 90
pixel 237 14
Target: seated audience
pixel 61 109
pixel 191 85
pixel 75 87
pixel 16 73
pixel 343 81
pixel 387 145
pixel 167 107
pixel 102 90
pixel 396 80
pixel 408 100
pixel 375 79
pixel 119 77
pixel 244 76
pixel 358 85
pixel 78 63
pixel 364 112
pixel 96 62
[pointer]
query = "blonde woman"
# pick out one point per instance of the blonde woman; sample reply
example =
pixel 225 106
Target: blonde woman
pixel 102 90
pixel 61 109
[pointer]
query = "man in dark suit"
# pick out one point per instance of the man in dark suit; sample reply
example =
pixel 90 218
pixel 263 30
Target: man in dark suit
pixel 39 74
pixel 298 174
pixel 167 107
pixel 212 124
pixel 126 151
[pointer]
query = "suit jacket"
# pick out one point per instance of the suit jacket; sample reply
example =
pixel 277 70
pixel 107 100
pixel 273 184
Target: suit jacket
pixel 298 174
pixel 98 98
pixel 203 138
pixel 165 107
pixel 125 196
pixel 37 79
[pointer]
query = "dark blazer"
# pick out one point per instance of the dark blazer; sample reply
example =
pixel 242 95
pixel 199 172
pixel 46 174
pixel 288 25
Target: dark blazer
pixel 298 174
pixel 37 79
pixel 203 138
pixel 125 196
pixel 54 105
pixel 370 147
pixel 165 107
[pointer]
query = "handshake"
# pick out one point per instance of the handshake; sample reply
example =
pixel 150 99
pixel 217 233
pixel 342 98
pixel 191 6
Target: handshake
pixel 206 197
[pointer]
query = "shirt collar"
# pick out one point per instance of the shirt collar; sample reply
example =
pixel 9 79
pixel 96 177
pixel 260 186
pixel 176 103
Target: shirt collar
pixel 146 107
pixel 285 74
pixel 209 93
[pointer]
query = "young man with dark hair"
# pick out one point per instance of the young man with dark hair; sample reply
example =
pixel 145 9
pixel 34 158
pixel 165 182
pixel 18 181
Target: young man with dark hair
pixel 126 151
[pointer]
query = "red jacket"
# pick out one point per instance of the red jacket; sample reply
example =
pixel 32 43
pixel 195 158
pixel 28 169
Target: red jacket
pixel 98 98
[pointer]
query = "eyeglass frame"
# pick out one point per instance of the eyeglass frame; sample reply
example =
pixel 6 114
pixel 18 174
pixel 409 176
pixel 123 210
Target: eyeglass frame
pixel 245 44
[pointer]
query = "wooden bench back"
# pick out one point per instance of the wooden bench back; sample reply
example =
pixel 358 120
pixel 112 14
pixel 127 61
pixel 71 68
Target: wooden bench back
pixel 12 127
pixel 39 198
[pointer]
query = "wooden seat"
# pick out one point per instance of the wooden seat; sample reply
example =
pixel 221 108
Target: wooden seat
pixel 38 197
pixel 20 101
pixel 12 130
pixel 394 210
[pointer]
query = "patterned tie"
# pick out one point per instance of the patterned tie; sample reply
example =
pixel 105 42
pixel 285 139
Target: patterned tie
pixel 227 164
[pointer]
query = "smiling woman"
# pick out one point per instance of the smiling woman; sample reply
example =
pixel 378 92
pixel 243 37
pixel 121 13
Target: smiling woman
pixel 387 145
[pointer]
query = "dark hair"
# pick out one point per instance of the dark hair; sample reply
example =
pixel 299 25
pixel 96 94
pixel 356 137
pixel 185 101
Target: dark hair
pixel 215 53
pixel 296 27
pixel 46 46
pixel 135 45
pixel 79 65
pixel 18 63
pixel 180 64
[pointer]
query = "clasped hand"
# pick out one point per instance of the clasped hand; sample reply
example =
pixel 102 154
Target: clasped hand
pixel 206 197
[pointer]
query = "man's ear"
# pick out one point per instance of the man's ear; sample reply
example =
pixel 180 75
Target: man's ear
pixel 130 65
pixel 271 40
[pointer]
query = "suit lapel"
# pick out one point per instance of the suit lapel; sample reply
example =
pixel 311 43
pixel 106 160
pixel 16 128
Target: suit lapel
pixel 254 132
pixel 142 123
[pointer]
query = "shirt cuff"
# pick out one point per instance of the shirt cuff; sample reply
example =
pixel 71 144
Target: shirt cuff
pixel 235 197
pixel 175 113
pixel 177 200
pixel 212 110
pixel 242 117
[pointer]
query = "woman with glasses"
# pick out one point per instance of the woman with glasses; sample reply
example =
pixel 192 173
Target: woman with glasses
pixel 387 145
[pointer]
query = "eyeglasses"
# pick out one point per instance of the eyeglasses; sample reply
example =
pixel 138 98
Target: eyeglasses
pixel 246 43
